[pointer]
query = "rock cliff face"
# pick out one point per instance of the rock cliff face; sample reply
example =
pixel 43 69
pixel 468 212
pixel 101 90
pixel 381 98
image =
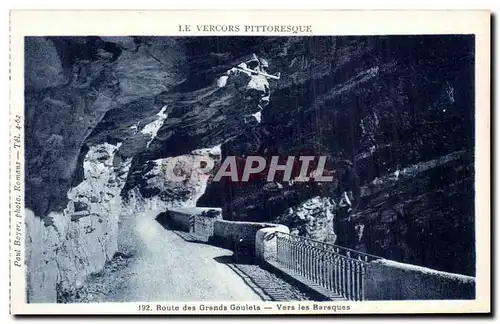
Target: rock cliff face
pixel 65 246
pixel 395 118
pixel 106 116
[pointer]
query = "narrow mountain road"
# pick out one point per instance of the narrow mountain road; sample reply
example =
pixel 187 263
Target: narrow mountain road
pixel 168 268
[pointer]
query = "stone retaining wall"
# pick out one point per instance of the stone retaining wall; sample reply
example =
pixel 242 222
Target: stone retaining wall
pixel 229 234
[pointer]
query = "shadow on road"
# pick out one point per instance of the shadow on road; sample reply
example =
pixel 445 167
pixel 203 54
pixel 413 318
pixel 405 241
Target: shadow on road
pixel 265 284
pixel 230 261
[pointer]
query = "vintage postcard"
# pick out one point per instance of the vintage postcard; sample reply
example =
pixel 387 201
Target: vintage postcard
pixel 250 162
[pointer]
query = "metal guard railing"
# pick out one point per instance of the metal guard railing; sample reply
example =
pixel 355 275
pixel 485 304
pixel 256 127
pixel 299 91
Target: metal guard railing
pixel 335 268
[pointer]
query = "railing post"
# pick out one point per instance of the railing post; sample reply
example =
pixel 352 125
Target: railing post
pixel 322 270
pixel 293 263
pixel 278 249
pixel 313 261
pixel 336 274
pixel 326 270
pixel 349 275
pixel 332 272
pixel 319 266
pixel 300 261
pixel 287 258
pixel 316 277
pixel 358 280
pixel 363 271
pixel 339 275
pixel 285 252
pixel 308 263
pixel 329 272
pixel 344 277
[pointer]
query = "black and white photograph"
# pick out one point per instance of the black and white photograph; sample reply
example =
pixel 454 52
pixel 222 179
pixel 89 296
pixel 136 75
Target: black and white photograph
pixel 232 170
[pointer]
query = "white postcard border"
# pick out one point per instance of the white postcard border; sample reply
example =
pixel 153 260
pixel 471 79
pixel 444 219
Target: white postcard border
pixel 327 22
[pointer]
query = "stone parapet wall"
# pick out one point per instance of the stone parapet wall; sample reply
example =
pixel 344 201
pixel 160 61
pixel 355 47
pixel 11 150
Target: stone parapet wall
pixel 265 242
pixel 230 233
pixel 184 218
pixel 390 280
pixel 222 232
